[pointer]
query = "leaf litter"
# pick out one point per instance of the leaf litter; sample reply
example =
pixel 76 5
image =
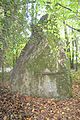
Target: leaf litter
pixel 14 106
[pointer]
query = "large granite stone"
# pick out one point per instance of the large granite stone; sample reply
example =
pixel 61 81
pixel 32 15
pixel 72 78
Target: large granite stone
pixel 42 70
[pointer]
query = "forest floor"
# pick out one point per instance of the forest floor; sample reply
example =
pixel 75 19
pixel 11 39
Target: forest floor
pixel 14 106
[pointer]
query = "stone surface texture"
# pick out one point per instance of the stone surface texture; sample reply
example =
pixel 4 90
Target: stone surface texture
pixel 42 71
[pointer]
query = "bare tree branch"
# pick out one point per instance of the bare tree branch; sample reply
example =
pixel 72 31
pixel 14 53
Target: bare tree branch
pixel 64 7
pixel 78 17
pixel 72 27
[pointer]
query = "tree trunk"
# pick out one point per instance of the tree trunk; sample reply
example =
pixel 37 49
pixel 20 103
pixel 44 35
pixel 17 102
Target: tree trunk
pixel 67 44
pixel 76 45
pixel 72 60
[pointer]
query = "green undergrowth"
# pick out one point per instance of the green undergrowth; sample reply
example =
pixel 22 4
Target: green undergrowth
pixel 75 76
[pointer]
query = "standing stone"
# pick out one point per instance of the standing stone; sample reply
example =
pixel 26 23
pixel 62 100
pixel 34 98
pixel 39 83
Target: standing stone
pixel 41 70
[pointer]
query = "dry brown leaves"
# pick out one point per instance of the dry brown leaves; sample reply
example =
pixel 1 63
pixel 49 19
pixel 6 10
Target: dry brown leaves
pixel 17 107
